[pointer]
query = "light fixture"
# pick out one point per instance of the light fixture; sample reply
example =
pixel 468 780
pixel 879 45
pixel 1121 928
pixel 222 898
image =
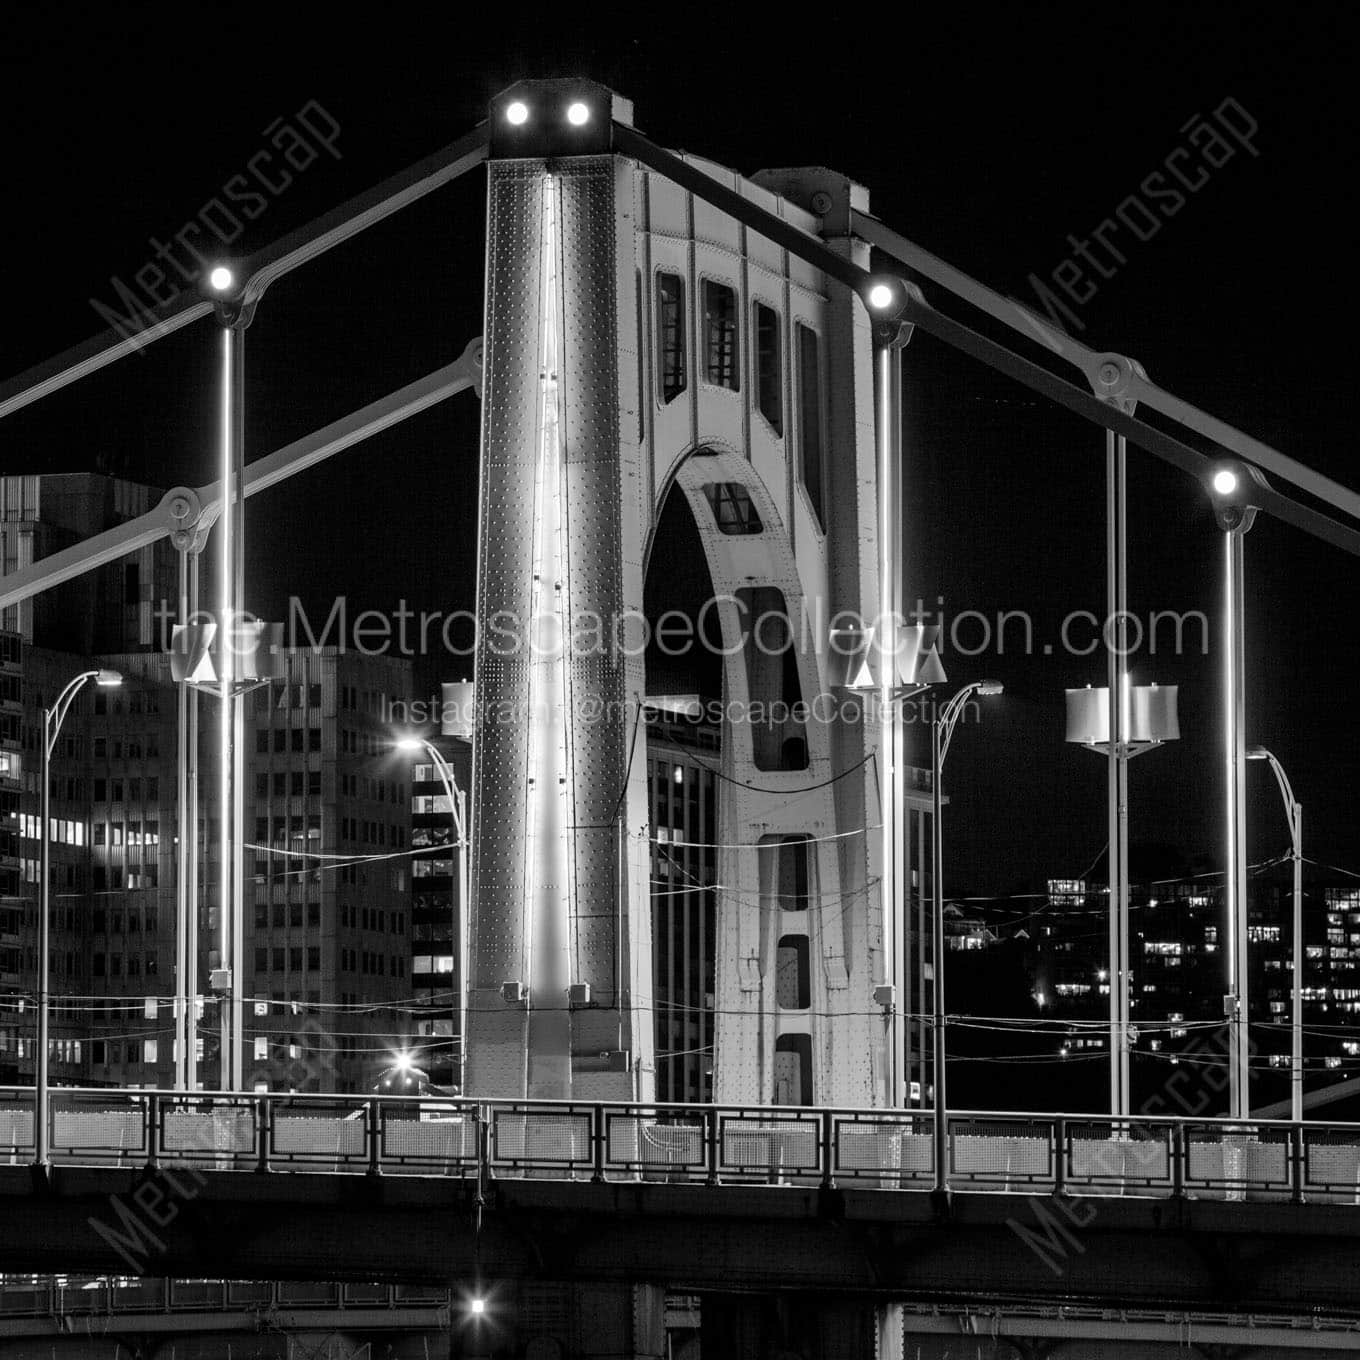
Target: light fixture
pixel 987 688
pixel 517 114
pixel 476 1306
pixel 578 114
pixel 1257 753
pixel 221 279
pixel 409 743
pixel 880 297
pixel 404 1063
pixel 1225 481
pixel 108 679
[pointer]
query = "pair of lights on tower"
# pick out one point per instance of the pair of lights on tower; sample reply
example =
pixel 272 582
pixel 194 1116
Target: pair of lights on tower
pixel 517 113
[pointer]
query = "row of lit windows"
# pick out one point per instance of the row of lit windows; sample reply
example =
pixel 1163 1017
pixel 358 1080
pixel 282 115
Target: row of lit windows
pixel 60 830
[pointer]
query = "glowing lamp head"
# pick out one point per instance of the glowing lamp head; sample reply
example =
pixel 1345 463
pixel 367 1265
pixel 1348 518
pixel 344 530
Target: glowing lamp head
pixel 477 1306
pixel 404 1063
pixel 881 297
pixel 1257 753
pixel 578 114
pixel 221 279
pixel 517 114
pixel 108 679
pixel 1225 482
pixel 409 743
pixel 988 688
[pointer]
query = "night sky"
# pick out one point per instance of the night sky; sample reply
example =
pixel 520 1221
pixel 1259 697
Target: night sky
pixel 985 137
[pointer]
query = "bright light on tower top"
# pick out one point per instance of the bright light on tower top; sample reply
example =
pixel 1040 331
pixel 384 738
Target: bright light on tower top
pixel 880 296
pixel 517 114
pixel 477 1307
pixel 221 279
pixel 1225 481
pixel 578 114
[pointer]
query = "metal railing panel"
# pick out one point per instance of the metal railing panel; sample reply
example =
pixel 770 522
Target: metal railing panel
pixel 1331 1163
pixel 16 1127
pixel 886 1148
pixel 541 1137
pixel 330 1132
pixel 1119 1156
pixel 222 1131
pixel 1237 1160
pixel 97 1127
pixel 432 1135
pixel 770 1144
pixel 1014 1152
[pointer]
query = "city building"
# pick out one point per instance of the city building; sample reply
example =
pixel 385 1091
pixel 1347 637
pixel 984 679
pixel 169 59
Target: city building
pixel 326 966
pixel 437 909
pixel 113 608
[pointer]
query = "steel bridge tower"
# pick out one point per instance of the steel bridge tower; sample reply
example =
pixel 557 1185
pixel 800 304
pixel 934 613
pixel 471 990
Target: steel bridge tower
pixel 677 411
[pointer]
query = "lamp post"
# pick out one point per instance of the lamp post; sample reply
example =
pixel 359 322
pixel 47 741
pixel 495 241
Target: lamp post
pixel 52 720
pixel 458 807
pixel 1293 810
pixel 941 732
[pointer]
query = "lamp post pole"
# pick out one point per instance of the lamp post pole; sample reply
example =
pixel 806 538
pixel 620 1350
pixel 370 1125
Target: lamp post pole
pixel 941 731
pixel 1293 811
pixel 52 720
pixel 458 808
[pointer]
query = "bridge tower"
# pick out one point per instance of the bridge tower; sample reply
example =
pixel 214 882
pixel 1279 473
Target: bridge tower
pixel 678 498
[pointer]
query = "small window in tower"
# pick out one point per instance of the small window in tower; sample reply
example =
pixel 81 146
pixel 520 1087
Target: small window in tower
pixel 793 990
pixel 769 370
pixel 733 508
pixel 722 356
pixel 670 336
pixel 811 451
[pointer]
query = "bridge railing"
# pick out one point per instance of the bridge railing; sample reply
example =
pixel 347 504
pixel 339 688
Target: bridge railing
pixel 1079 1154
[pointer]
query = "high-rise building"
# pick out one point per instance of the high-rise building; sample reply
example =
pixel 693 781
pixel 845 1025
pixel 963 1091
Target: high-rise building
pixel 110 609
pixel 326 963
pixel 437 909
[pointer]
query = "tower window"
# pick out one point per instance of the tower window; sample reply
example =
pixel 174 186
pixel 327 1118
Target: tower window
pixel 733 508
pixel 722 355
pixel 670 336
pixel 811 444
pixel 769 370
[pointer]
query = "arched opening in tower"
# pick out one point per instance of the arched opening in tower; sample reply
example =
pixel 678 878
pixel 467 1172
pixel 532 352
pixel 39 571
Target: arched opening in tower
pixel 684 752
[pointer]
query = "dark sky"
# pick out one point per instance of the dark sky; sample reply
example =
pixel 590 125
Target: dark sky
pixel 986 136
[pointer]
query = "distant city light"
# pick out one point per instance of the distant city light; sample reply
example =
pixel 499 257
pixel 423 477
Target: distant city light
pixel 578 114
pixel 517 113
pixel 476 1307
pixel 1225 481
pixel 221 279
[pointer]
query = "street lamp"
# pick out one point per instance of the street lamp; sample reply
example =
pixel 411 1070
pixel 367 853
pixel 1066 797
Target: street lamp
pixel 941 733
pixel 458 807
pixel 52 720
pixel 1293 810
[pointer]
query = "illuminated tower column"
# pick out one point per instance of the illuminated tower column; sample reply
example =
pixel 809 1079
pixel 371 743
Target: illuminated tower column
pixel 560 944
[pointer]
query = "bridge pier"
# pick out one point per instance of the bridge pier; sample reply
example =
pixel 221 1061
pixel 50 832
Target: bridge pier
pixel 797 1327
